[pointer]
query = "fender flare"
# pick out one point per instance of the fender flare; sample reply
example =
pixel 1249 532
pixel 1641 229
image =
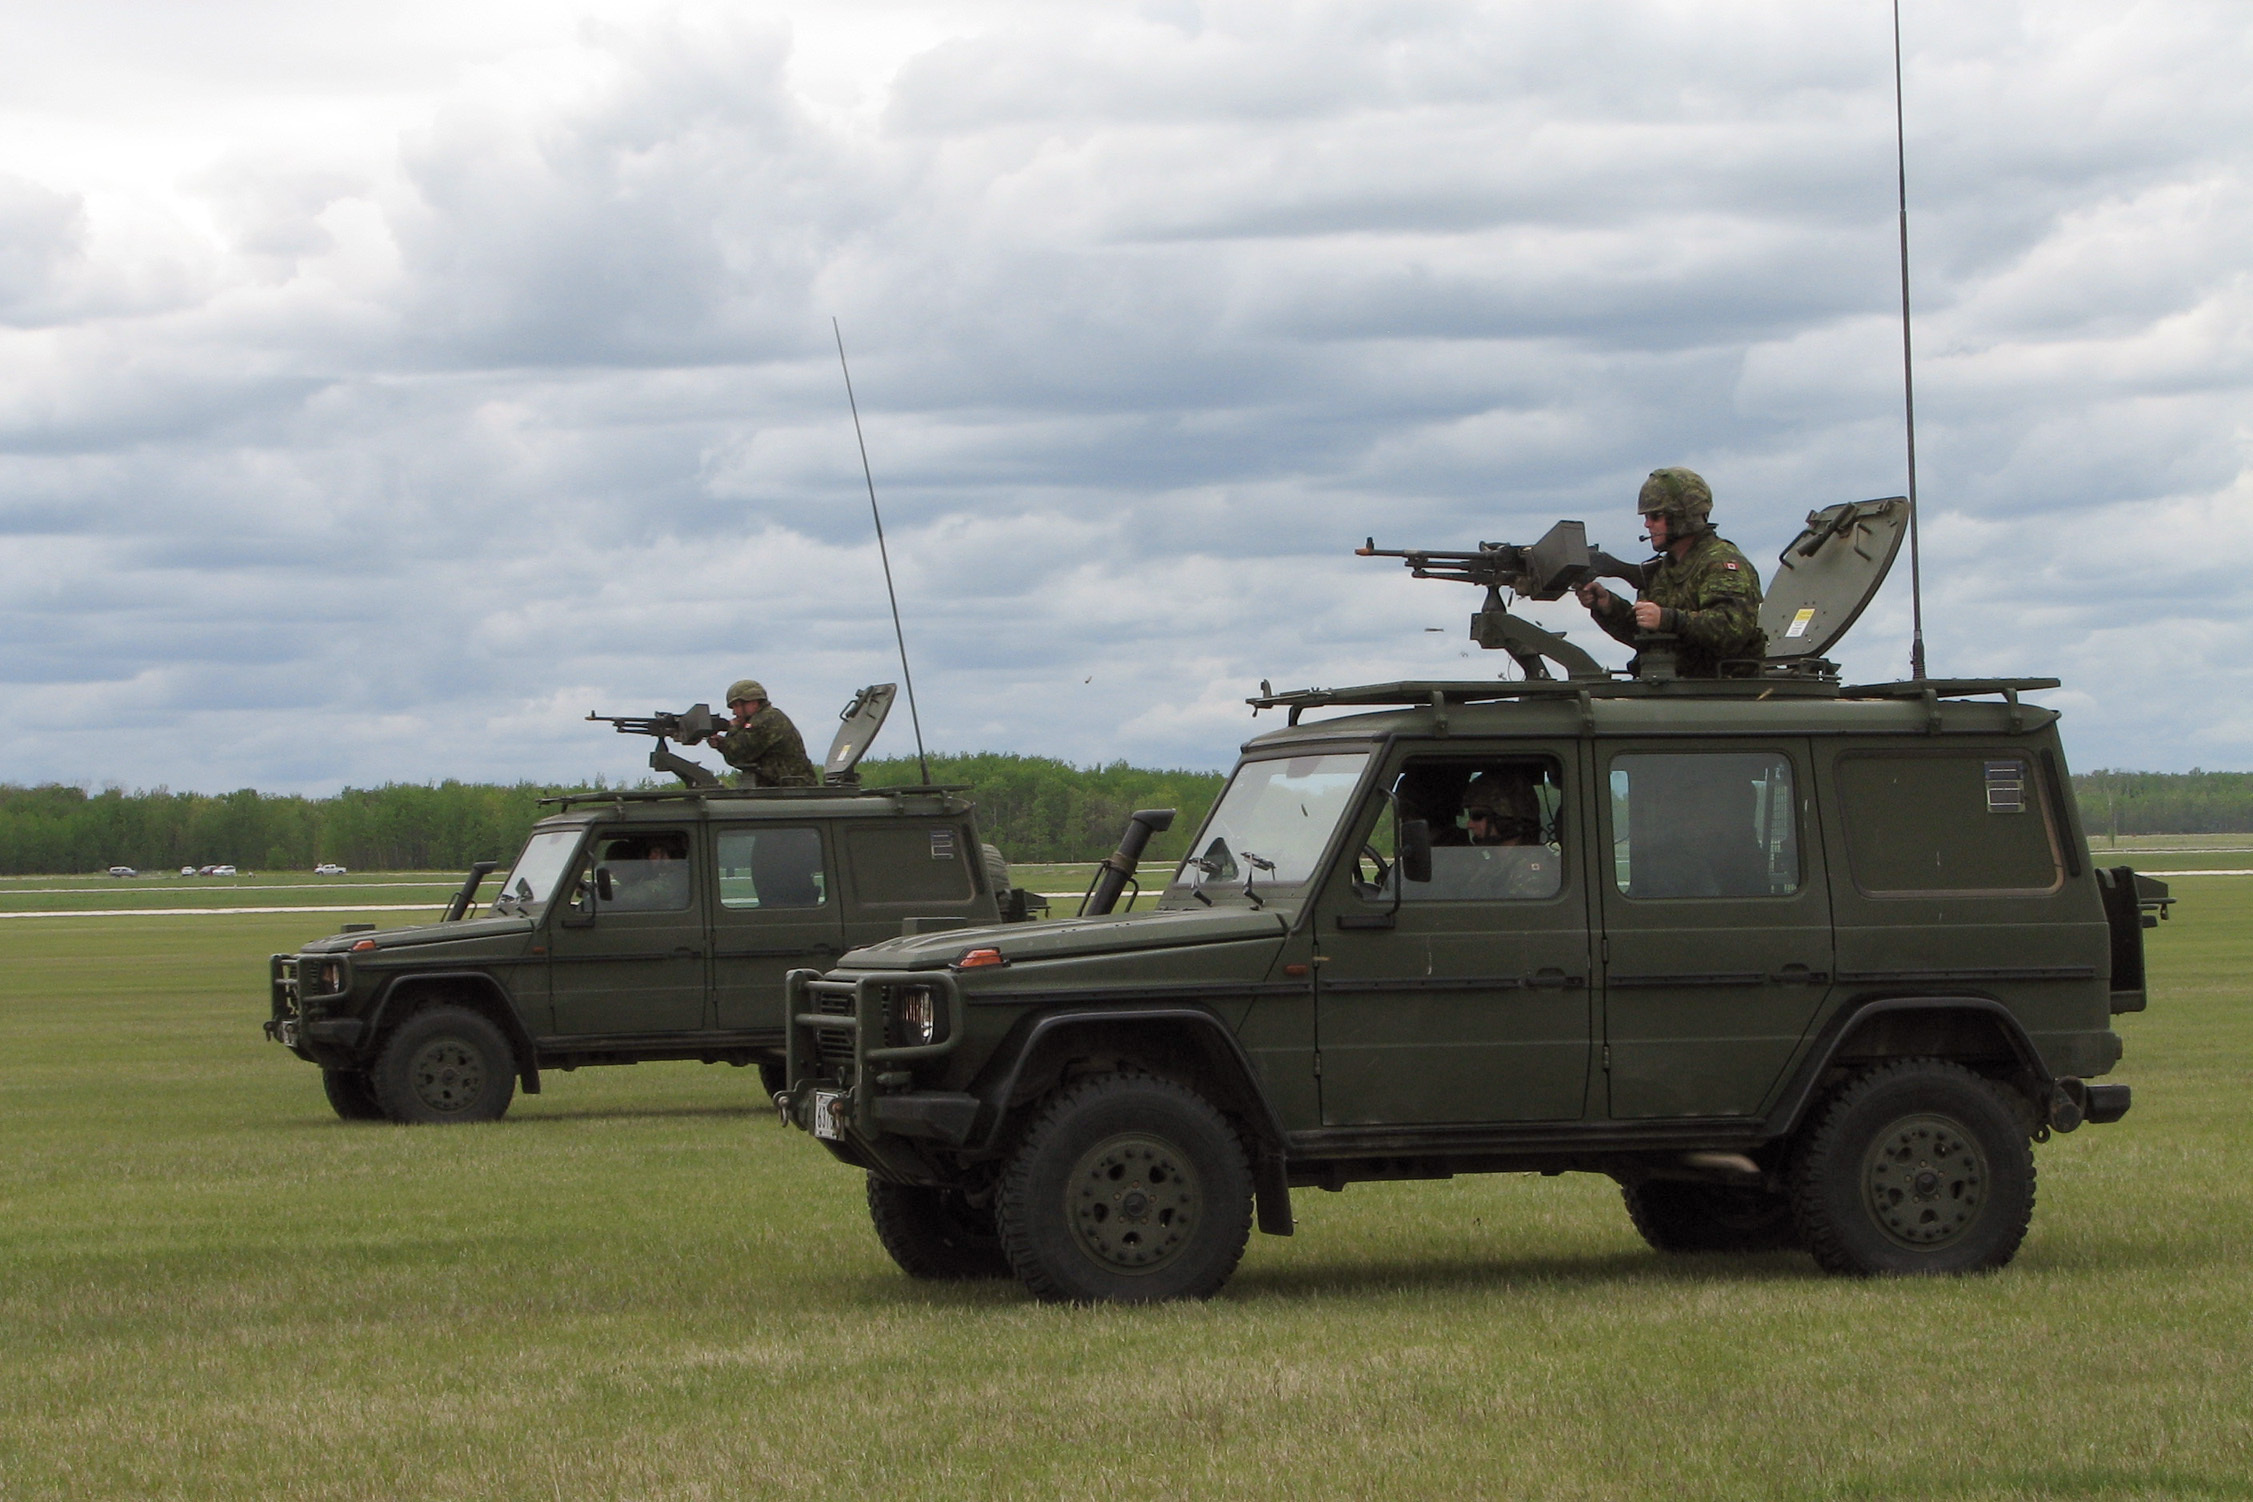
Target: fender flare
pixel 511 1022
pixel 1270 1183
pixel 1791 1108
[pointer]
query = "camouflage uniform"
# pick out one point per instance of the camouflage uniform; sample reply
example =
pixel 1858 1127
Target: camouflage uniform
pixel 1505 872
pixel 1711 595
pixel 768 752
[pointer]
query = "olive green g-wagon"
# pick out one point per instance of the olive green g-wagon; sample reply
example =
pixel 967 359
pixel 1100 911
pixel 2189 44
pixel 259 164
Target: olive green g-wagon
pixel 1794 963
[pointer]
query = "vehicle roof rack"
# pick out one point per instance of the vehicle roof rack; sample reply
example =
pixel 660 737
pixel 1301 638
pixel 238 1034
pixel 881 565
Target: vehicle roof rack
pixel 1438 694
pixel 1947 688
pixel 751 795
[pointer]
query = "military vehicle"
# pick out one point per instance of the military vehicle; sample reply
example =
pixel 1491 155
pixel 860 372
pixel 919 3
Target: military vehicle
pixel 634 926
pixel 1795 962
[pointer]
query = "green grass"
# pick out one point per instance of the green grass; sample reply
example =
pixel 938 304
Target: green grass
pixel 639 1286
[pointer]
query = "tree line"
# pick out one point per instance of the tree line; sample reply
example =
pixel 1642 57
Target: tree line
pixel 1035 808
pixel 2193 802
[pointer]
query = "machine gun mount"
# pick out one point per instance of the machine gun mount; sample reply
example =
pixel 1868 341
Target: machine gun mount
pixel 1544 570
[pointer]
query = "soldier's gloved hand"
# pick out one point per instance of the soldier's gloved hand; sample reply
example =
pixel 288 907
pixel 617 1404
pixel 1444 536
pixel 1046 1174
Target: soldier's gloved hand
pixel 1599 600
pixel 1648 615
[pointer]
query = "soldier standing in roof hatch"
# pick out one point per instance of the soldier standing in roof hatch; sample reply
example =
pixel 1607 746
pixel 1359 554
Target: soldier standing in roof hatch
pixel 1700 589
pixel 761 744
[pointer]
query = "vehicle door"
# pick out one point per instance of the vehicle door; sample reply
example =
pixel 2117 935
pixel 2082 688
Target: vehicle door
pixel 626 956
pixel 1464 998
pixel 1716 922
pixel 778 911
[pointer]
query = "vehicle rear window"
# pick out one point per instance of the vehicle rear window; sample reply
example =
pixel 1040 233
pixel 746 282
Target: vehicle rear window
pixel 771 868
pixel 1946 821
pixel 1704 824
pixel 900 862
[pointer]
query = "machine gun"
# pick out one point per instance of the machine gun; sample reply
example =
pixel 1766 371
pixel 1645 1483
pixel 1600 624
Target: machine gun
pixel 696 723
pixel 1544 570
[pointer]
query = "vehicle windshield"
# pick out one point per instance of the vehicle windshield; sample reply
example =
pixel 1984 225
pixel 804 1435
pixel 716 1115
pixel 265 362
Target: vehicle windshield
pixel 532 882
pixel 1272 823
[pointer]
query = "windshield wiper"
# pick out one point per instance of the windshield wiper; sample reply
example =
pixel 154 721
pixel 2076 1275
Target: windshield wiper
pixel 1204 868
pixel 1256 864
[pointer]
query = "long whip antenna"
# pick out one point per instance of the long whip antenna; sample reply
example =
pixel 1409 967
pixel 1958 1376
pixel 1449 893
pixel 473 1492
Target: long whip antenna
pixel 1908 377
pixel 921 760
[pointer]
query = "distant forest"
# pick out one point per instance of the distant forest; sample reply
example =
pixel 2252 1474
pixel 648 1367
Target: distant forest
pixel 1034 808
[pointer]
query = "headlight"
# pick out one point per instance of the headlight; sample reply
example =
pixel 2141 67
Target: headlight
pixel 322 978
pixel 915 1015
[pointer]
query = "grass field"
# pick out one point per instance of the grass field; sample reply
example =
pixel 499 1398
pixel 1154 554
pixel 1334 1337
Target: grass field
pixel 639 1286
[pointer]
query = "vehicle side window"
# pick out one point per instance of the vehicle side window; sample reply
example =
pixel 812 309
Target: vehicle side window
pixel 1704 824
pixel 771 868
pixel 904 862
pixel 1496 823
pixel 1949 821
pixel 648 872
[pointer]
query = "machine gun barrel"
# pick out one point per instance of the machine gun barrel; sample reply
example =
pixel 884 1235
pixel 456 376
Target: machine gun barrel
pixel 696 723
pixel 1495 565
pixel 1562 560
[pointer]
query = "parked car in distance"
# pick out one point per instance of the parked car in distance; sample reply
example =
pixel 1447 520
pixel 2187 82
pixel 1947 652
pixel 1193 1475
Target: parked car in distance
pixel 189 871
pixel 224 871
pixel 123 871
pixel 327 868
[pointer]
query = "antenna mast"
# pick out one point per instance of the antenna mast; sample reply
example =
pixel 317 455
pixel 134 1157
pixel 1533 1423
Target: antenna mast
pixel 884 553
pixel 1908 379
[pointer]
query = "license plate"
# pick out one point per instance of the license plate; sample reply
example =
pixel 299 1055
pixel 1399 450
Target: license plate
pixel 286 1034
pixel 824 1114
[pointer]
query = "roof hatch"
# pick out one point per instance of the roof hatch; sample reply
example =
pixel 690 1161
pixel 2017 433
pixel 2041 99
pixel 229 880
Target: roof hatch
pixel 863 718
pixel 1829 573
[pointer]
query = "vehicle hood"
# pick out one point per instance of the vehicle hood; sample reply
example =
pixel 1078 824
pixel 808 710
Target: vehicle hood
pixel 1071 938
pixel 422 936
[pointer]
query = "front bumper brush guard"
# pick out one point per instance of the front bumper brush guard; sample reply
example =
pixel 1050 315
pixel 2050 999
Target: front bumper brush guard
pixel 863 1018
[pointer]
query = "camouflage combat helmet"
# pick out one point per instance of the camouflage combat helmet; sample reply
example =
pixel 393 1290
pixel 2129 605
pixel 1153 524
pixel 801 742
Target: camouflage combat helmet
pixel 1507 798
pixel 746 688
pixel 1679 495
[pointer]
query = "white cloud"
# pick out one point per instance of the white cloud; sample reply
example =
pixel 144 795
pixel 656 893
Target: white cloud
pixel 379 392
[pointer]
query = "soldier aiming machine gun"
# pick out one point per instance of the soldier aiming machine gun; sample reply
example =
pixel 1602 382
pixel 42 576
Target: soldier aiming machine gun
pixel 1561 560
pixel 690 726
pixel 861 718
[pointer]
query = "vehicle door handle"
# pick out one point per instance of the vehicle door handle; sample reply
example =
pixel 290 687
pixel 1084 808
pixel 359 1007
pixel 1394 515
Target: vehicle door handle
pixel 685 953
pixel 1553 979
pixel 1800 975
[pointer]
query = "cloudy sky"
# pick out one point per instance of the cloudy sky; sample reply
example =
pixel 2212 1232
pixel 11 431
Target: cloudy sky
pixel 385 386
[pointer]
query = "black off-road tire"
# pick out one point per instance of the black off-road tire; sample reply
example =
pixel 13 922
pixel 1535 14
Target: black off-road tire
pixel 772 1077
pixel 935 1234
pixel 1675 1216
pixel 1916 1166
pixel 350 1095
pixel 444 1065
pixel 1126 1189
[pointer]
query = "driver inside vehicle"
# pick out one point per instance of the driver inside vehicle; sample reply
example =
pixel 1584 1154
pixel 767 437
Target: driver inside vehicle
pixel 648 874
pixel 1506 858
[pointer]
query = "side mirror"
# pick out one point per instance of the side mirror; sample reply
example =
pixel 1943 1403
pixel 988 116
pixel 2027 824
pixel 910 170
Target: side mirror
pixel 581 911
pixel 1415 850
pixel 603 888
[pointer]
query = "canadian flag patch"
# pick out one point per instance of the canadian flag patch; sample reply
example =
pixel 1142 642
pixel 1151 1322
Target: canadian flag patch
pixel 1732 563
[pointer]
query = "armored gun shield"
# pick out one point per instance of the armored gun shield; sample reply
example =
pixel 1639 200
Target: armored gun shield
pixel 1828 575
pixel 863 717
